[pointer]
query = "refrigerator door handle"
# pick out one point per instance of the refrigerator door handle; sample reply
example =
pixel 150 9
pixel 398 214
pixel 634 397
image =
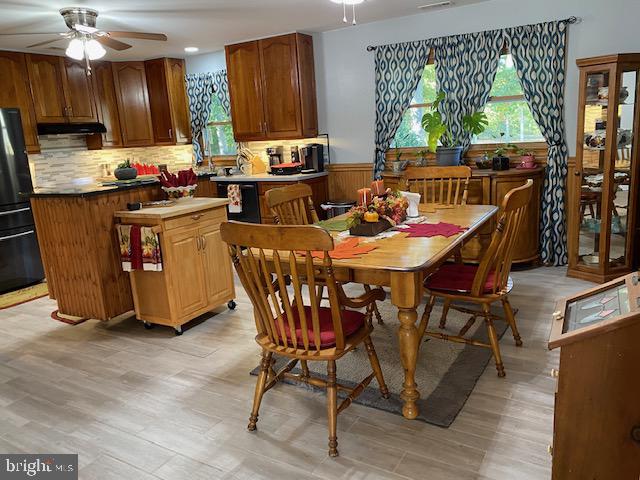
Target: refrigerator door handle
pixel 11 212
pixel 23 234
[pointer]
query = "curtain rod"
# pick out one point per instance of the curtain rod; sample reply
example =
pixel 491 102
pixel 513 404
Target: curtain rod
pixel 571 20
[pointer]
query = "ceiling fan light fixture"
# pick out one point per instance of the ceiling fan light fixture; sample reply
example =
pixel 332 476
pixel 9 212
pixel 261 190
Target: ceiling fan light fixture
pixel 191 49
pixel 352 4
pixel 94 50
pixel 75 49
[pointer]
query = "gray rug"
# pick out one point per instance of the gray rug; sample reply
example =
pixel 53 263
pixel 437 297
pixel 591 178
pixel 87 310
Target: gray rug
pixel 446 373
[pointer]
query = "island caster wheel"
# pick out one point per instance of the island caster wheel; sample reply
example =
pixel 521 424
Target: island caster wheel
pixel 148 325
pixel 178 331
pixel 232 305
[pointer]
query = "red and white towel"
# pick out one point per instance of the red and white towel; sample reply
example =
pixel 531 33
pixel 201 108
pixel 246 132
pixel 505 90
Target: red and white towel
pixel 235 198
pixel 139 248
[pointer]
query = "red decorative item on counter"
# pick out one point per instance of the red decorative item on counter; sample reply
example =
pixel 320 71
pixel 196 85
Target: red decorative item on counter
pixel 185 178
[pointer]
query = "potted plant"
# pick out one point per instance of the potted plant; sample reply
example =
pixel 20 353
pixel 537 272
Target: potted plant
pixel 421 161
pixel 527 157
pixel 399 164
pixel 449 151
pixel 125 171
pixel 500 160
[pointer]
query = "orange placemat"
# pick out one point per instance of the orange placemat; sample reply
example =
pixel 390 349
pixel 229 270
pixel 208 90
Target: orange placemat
pixel 350 248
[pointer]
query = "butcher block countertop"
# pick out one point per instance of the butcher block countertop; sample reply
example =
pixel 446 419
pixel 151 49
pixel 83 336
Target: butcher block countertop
pixel 183 207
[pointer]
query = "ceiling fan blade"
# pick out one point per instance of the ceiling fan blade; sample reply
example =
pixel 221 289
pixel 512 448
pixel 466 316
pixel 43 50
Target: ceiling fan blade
pixel 39 44
pixel 141 35
pixel 32 33
pixel 111 43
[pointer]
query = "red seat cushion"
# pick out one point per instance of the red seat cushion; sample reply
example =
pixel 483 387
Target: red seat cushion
pixel 352 321
pixel 457 278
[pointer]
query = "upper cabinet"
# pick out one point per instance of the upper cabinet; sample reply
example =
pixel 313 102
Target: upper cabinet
pixel 62 91
pixel 272 88
pixel 168 101
pixel 15 92
pixel 133 104
pixel 105 94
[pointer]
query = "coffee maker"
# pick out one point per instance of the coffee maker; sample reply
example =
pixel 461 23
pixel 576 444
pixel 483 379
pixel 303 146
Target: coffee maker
pixel 312 157
pixel 275 155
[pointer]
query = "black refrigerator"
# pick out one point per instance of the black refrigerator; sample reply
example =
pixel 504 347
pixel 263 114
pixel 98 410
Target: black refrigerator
pixel 20 263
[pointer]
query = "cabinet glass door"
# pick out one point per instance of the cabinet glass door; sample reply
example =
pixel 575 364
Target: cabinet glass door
pixel 594 161
pixel 622 185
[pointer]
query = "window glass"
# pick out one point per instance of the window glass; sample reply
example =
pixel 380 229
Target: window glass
pixel 219 136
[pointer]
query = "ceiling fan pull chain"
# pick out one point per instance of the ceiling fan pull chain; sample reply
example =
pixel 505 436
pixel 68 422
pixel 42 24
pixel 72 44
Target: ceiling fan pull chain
pixel 354 14
pixel 344 9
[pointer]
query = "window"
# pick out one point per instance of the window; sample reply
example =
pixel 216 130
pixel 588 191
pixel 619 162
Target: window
pixel 509 116
pixel 219 138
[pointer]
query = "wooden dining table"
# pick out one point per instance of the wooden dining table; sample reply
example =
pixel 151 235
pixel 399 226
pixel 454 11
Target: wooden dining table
pixel 401 264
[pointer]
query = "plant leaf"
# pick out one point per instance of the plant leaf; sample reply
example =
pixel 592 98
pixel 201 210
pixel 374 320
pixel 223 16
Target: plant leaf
pixel 475 123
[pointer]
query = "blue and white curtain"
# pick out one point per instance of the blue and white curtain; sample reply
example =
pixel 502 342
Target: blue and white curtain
pixel 539 56
pixel 200 87
pixel 221 90
pixel 466 67
pixel 398 70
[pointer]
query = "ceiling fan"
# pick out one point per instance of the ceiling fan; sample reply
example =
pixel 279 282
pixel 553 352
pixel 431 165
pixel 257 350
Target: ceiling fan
pixel 86 41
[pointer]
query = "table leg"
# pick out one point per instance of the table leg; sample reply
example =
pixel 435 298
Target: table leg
pixel 409 340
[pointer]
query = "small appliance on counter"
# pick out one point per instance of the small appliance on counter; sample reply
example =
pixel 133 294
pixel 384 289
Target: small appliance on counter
pixel 292 168
pixel 275 155
pixel 312 157
pixel 295 154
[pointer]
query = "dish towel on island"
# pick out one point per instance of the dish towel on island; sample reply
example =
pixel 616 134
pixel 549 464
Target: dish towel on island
pixel 235 198
pixel 139 248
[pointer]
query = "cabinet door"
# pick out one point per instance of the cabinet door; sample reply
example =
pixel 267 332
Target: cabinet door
pixel 159 102
pixel 16 93
pixel 106 103
pixel 185 270
pixel 78 92
pixel 245 90
pixel 218 278
pixel 45 76
pixel 178 99
pixel 133 104
pixel 307 74
pixel 281 87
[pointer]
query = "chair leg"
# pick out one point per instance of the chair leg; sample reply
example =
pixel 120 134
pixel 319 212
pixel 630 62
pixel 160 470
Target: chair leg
pixel 375 365
pixel 493 339
pixel 445 312
pixel 424 322
pixel 511 320
pixel 332 407
pixel 305 368
pixel 374 307
pixel 265 364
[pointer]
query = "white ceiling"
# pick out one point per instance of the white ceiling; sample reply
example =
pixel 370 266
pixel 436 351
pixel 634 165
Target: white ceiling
pixel 207 24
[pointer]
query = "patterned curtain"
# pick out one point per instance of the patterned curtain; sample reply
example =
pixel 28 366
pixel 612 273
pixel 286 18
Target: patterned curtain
pixel 398 71
pixel 466 67
pixel 221 89
pixel 200 87
pixel 539 57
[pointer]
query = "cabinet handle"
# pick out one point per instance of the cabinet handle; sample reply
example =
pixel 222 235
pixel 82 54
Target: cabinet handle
pixel 576 173
pixel 204 242
pixel 550 450
pixel 171 133
pixel 635 434
pixel 198 243
pixel 197 216
pixel 555 373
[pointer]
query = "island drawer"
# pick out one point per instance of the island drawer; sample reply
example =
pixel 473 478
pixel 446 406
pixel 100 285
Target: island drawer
pixel 216 215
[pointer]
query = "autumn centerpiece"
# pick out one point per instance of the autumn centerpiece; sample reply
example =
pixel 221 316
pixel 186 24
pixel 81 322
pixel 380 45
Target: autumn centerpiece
pixel 378 212
pixel 181 186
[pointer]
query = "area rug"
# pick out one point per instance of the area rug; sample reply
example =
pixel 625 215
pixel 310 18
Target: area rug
pixel 11 299
pixel 446 373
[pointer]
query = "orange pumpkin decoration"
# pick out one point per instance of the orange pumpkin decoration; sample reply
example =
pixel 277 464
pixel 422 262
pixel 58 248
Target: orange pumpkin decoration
pixel 371 217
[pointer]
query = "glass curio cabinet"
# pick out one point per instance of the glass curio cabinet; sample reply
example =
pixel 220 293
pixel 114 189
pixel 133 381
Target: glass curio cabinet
pixel 603 183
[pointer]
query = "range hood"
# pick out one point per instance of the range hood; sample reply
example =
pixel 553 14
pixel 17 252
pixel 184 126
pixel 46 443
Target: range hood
pixel 69 128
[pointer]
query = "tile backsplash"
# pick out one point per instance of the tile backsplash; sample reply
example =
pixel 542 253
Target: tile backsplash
pixel 65 160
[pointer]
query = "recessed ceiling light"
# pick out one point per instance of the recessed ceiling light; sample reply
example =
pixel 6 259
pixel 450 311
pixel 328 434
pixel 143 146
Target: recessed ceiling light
pixel 191 49
pixel 435 5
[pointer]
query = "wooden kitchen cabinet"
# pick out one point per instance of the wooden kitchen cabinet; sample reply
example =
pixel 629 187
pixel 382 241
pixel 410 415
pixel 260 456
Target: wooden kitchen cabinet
pixel 106 103
pixel 133 104
pixel 272 88
pixel 62 91
pixel 196 275
pixel 168 101
pixel 15 92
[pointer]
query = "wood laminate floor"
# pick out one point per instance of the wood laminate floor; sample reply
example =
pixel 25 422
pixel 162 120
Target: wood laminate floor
pixel 138 404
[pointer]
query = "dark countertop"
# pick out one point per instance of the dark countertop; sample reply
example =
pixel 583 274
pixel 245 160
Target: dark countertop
pixel 88 190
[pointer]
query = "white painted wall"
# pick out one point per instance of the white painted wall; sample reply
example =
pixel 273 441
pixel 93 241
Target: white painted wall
pixel 209 62
pixel 345 70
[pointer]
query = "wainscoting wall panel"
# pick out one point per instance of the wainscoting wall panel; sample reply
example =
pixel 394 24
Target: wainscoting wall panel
pixel 346 178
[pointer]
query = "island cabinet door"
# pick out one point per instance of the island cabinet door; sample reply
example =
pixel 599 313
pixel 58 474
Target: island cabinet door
pixel 218 278
pixel 185 270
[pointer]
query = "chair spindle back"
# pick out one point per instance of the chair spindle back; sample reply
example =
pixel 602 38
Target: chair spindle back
pixel 439 185
pixel 278 301
pixel 499 255
pixel 292 205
